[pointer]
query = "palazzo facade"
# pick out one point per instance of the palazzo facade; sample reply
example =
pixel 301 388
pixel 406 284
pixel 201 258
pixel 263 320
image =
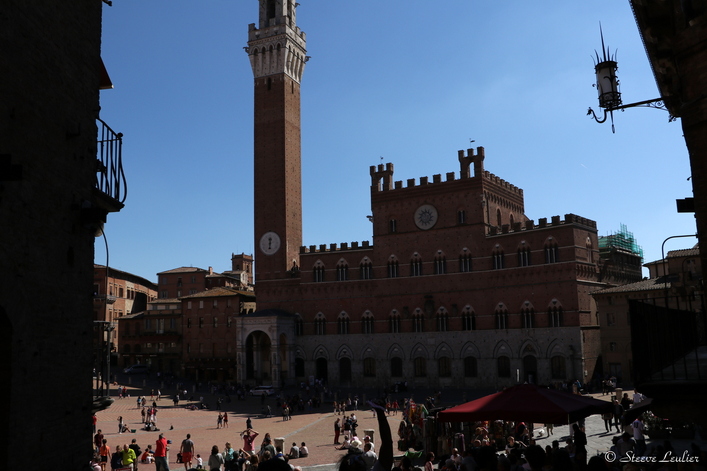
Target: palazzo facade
pixel 458 288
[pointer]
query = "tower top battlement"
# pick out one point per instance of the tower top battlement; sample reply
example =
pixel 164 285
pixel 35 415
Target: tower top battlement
pixel 278 46
pixel 382 175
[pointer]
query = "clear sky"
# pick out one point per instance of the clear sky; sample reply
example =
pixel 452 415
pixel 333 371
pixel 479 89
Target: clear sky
pixel 409 82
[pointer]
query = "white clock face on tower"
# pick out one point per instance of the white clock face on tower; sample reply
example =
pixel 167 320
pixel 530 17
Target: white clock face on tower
pixel 270 243
pixel 425 216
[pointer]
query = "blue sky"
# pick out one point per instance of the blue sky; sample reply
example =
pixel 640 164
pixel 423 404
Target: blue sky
pixel 409 81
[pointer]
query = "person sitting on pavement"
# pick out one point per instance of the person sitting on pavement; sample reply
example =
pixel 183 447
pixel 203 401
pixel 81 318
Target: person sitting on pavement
pixel 294 451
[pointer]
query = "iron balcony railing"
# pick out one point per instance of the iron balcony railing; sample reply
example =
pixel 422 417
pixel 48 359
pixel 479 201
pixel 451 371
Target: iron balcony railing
pixel 110 177
pixel 669 340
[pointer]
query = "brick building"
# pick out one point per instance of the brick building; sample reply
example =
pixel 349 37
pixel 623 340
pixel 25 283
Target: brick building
pixel 458 289
pixel 116 294
pixel 56 189
pixel 676 278
pixel 185 281
pixel 211 330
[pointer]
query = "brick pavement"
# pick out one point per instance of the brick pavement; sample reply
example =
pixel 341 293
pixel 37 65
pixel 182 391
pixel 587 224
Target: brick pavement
pixel 314 427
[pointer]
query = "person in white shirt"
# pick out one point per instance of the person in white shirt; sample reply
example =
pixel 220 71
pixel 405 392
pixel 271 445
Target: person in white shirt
pixel 294 451
pixel 369 456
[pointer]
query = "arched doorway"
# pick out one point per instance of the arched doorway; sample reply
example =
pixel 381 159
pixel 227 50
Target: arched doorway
pixel 345 370
pixel 284 360
pixel 257 357
pixel 322 369
pixel 530 369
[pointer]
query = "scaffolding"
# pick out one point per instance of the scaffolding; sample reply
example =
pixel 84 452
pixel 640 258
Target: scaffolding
pixel 622 240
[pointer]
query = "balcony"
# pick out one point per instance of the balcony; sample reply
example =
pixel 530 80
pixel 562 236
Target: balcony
pixel 110 188
pixel 110 177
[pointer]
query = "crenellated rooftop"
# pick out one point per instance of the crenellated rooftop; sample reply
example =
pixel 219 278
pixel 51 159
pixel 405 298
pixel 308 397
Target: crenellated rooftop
pixel 530 225
pixel 344 246
pixel 382 175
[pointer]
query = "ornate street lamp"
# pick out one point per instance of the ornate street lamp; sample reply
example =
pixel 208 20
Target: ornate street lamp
pixel 607 86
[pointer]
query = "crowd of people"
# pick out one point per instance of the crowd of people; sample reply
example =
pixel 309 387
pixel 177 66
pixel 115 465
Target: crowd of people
pixel 481 452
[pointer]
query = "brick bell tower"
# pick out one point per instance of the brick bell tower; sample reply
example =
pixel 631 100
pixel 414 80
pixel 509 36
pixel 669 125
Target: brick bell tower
pixel 277 53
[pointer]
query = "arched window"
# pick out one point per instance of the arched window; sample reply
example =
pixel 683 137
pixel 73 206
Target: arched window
pixel 394 322
pixel 527 314
pixel 299 367
pixel 590 250
pixel 555 314
pixel 468 319
pixel 440 263
pixel 420 366
pixel 465 261
pixel 523 255
pixel 367 323
pixel 418 322
pixel 345 369
pixel 416 265
pixel 342 323
pixel 342 271
pixel 498 259
pixel 470 367
pixel 320 324
pixel 393 268
pixel 299 325
pixel 504 367
pixel 501 317
pixel 552 253
pixel 366 269
pixel 557 367
pixel 318 272
pixel 444 367
pixel 396 367
pixel 369 367
pixel 442 320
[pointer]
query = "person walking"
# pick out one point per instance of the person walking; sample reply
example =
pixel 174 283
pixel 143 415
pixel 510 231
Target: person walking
pixel 136 448
pixel 104 451
pixel 98 440
pixel 187 451
pixel 160 454
pixel 618 414
pixel 129 457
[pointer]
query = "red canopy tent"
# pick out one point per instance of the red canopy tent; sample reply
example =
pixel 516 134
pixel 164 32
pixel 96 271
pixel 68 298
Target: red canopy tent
pixel 529 403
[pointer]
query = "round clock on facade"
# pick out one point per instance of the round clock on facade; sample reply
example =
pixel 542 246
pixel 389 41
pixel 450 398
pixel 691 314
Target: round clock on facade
pixel 425 216
pixel 270 243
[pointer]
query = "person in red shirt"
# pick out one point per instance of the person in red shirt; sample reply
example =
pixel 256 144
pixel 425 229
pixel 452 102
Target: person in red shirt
pixel 161 449
pixel 248 439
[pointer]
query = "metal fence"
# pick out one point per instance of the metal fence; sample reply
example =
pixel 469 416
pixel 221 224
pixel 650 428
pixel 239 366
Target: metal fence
pixel 669 339
pixel 110 177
